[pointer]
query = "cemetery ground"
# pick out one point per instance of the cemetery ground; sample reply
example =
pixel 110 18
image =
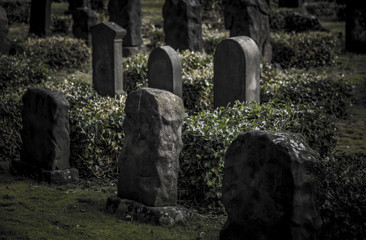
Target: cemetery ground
pixel 36 210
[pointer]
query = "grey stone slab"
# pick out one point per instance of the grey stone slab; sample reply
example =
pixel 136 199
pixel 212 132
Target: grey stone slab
pixel 183 24
pixel 270 189
pixel 236 71
pixel 149 161
pixel 83 19
pixel 107 58
pixel 165 70
pixel 40 18
pixel 250 18
pixel 356 26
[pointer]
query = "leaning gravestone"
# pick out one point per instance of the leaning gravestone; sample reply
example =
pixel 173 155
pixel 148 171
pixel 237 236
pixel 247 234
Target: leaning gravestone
pixel 182 24
pixel 269 189
pixel 290 3
pixel 356 26
pixel 45 137
pixel 107 58
pixel 127 14
pixel 165 70
pixel 83 19
pixel 250 18
pixel 5 43
pixel 236 71
pixel 149 161
pixel 40 17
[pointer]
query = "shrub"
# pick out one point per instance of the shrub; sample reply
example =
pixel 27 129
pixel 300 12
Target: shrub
pixel 57 52
pixel 62 24
pixel 17 10
pixel 305 50
pixel 135 73
pixel 208 134
pixel 277 18
pixel 326 10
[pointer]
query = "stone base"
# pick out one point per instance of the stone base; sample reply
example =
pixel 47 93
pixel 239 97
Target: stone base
pixel 57 176
pixel 132 51
pixel 131 210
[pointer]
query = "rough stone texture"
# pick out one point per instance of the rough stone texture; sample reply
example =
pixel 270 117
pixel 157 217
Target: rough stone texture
pixel 127 14
pixel 269 191
pixel 84 18
pixel 45 133
pixel 149 161
pixel 356 26
pixel 250 18
pixel 131 210
pixel 290 3
pixel 5 43
pixel 236 71
pixel 40 18
pixel 165 70
pixel 107 58
pixel 182 24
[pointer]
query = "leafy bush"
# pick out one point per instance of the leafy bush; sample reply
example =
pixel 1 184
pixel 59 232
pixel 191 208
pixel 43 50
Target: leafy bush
pixel 62 24
pixel 304 50
pixel 277 17
pixel 17 10
pixel 208 134
pixel 135 73
pixel 326 10
pixel 57 52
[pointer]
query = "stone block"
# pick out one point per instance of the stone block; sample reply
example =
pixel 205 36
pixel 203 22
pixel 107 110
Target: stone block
pixel 83 19
pixel 40 18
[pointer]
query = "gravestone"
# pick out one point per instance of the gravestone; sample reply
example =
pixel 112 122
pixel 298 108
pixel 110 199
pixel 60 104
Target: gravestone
pixel 165 70
pixel 83 19
pixel 127 14
pixel 107 58
pixel 236 71
pixel 40 17
pixel 356 26
pixel 182 24
pixel 250 18
pixel 5 43
pixel 290 3
pixel 45 137
pixel 269 189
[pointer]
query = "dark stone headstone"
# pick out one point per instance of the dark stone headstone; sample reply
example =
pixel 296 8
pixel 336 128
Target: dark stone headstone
pixel 269 189
pixel 182 24
pixel 236 71
pixel 165 70
pixel 107 58
pixel 5 43
pixel 356 26
pixel 84 18
pixel 250 18
pixel 290 3
pixel 149 161
pixel 127 14
pixel 40 18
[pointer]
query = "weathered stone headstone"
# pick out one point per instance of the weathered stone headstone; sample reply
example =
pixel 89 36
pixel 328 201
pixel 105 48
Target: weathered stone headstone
pixel 182 24
pixel 127 14
pixel 269 190
pixel 356 26
pixel 84 18
pixel 236 71
pixel 107 58
pixel 45 136
pixel 149 161
pixel 290 3
pixel 250 18
pixel 165 70
pixel 40 18
pixel 5 43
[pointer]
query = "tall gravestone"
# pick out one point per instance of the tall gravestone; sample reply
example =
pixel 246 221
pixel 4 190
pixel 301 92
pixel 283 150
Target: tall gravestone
pixel 5 43
pixel 290 3
pixel 269 188
pixel 165 70
pixel 183 24
pixel 356 26
pixel 40 17
pixel 250 18
pixel 236 71
pixel 45 136
pixel 127 14
pixel 107 58
pixel 83 19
